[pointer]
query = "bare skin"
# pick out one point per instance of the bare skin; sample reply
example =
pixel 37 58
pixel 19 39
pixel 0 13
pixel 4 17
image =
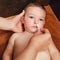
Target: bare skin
pixel 35 48
pixel 15 40
pixel 21 43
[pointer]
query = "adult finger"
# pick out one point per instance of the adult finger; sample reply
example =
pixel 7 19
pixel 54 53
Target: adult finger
pixel 44 30
pixel 18 17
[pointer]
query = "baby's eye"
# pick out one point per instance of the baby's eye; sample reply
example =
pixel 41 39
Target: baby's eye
pixel 31 17
pixel 41 19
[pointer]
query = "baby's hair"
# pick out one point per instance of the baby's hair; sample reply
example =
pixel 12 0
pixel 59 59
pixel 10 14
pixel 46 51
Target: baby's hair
pixel 35 5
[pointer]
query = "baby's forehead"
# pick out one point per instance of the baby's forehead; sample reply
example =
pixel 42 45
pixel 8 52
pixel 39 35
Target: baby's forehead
pixel 35 9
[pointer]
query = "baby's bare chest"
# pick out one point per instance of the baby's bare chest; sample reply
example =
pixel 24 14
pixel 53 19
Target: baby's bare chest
pixel 19 45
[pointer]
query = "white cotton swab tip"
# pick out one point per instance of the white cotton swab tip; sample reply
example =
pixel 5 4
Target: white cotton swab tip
pixel 38 28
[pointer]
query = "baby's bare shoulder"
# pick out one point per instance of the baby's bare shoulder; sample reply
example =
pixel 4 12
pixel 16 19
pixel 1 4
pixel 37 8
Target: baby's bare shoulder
pixel 15 36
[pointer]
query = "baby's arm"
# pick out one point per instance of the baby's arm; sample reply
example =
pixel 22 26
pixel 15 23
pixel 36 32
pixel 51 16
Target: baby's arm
pixel 54 53
pixel 7 55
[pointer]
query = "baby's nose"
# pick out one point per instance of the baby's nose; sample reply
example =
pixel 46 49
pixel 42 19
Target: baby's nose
pixel 36 21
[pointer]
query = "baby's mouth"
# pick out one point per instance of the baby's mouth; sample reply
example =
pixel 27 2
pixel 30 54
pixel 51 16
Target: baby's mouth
pixel 37 28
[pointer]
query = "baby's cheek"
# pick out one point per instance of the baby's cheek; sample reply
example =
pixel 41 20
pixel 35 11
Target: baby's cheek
pixel 41 25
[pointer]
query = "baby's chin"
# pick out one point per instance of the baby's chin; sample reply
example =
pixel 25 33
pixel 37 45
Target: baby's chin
pixel 33 30
pixel 36 32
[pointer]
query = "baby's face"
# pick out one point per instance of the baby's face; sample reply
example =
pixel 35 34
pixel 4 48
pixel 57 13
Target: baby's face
pixel 34 19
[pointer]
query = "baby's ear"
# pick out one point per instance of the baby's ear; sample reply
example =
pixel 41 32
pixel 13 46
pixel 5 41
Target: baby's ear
pixel 22 19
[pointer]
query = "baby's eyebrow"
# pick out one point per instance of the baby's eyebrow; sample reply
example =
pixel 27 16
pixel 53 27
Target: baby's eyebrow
pixel 42 17
pixel 30 13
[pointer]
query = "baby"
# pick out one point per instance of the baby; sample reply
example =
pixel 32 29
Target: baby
pixel 33 20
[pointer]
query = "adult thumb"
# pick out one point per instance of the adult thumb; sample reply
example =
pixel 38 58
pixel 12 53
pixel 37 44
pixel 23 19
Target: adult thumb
pixel 18 17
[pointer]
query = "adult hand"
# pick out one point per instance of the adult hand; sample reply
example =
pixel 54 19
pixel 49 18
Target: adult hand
pixel 42 40
pixel 16 24
pixel 13 24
